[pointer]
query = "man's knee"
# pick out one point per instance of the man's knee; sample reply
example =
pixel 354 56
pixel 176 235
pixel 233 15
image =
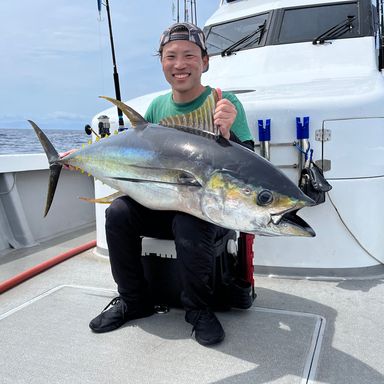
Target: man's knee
pixel 193 234
pixel 119 210
pixel 185 225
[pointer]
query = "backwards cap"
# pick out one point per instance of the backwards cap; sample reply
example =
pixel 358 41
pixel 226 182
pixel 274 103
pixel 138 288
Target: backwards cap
pixel 183 31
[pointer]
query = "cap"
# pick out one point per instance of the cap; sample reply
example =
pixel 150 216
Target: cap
pixel 183 31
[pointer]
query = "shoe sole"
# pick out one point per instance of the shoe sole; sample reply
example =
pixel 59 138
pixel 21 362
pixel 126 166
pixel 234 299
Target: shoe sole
pixel 210 342
pixel 106 329
pixel 113 327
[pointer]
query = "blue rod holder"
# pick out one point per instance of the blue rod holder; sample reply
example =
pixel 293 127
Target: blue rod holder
pixel 302 129
pixel 264 132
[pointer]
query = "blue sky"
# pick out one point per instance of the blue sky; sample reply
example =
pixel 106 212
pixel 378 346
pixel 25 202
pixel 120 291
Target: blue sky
pixel 56 60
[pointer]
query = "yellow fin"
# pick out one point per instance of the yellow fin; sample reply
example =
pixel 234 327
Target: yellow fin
pixel 201 118
pixel 134 117
pixel 103 200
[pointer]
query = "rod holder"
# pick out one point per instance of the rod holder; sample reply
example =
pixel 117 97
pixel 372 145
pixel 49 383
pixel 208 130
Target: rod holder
pixel 264 137
pixel 302 135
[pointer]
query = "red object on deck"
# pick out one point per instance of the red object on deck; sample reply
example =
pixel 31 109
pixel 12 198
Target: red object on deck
pixel 247 240
pixel 21 277
pixel 245 253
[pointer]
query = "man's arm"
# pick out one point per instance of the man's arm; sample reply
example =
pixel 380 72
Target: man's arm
pixel 250 144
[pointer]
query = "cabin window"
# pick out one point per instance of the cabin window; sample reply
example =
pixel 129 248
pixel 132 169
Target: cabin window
pixel 305 24
pixel 247 33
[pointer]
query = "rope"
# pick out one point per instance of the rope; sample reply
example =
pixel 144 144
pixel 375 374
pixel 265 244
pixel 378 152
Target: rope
pixel 351 233
pixel 305 153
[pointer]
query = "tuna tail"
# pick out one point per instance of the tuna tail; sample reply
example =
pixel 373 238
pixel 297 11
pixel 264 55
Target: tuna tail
pixel 54 164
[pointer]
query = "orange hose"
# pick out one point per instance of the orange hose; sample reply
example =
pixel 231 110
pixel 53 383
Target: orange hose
pixel 21 277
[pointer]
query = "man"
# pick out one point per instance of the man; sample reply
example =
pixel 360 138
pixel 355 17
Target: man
pixel 184 58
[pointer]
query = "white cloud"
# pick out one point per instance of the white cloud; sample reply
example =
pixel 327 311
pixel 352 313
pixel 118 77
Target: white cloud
pixel 62 115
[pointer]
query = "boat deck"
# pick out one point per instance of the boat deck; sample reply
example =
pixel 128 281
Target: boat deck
pixel 298 330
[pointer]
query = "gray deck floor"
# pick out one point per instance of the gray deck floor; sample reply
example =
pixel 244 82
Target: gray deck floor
pixel 298 331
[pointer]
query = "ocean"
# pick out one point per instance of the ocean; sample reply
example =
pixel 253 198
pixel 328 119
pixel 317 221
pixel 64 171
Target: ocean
pixel 14 141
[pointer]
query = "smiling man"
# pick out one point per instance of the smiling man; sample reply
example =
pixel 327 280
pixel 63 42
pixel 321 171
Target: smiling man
pixel 184 58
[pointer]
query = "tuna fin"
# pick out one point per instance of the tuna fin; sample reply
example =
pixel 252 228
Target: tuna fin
pixel 103 200
pixel 54 164
pixel 200 119
pixel 134 117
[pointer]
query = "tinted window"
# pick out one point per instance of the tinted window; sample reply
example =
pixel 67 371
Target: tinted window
pixel 220 37
pixel 305 24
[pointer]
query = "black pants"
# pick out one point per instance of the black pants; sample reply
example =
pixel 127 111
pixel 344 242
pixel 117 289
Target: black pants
pixel 127 222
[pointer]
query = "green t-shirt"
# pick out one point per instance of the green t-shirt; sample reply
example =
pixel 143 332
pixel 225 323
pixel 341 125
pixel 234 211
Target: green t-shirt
pixel 163 106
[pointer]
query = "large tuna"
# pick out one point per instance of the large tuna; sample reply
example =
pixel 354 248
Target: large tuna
pixel 177 166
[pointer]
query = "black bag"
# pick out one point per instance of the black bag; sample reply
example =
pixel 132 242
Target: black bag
pixel 313 183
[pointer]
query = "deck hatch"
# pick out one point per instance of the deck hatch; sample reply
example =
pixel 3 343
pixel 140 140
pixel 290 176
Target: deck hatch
pixel 48 340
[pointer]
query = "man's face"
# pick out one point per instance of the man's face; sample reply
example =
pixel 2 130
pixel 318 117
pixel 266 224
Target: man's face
pixel 183 65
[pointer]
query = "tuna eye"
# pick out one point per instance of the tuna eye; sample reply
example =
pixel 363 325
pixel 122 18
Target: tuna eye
pixel 264 198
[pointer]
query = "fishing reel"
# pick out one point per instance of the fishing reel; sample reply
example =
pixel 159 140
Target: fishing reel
pixel 104 127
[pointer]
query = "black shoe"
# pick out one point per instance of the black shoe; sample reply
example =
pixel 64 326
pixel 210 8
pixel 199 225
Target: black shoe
pixel 118 314
pixel 207 328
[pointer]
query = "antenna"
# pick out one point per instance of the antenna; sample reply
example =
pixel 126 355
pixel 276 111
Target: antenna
pixel 193 12
pixel 185 11
pixel 380 10
pixel 189 10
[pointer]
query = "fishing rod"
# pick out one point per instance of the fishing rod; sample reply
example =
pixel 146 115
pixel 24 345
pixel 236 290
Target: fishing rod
pixel 115 73
pixel 380 14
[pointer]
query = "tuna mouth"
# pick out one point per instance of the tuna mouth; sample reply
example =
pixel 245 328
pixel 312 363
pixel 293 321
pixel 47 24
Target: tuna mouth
pixel 290 219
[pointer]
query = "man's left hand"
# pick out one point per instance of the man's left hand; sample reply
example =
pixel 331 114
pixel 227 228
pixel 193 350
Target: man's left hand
pixel 224 116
